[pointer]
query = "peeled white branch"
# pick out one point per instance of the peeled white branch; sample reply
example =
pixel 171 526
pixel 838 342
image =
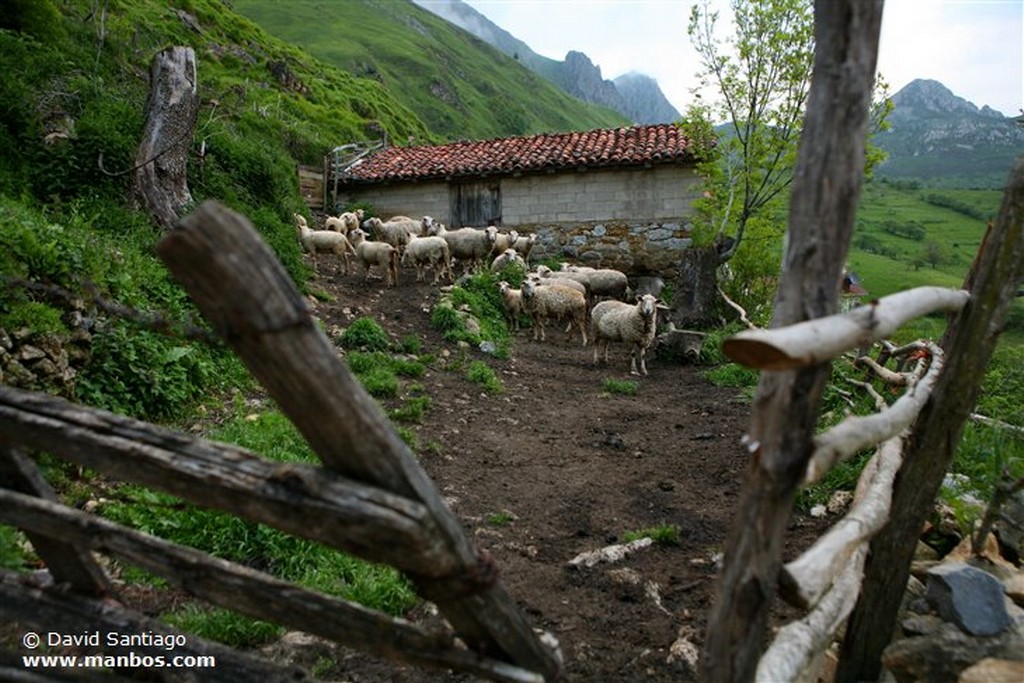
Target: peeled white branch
pixel 805 579
pixel 798 644
pixel 854 434
pixel 821 339
pixel 739 309
pixel 896 379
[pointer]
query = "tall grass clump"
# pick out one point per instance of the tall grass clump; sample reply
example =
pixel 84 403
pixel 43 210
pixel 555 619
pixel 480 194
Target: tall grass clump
pixel 476 299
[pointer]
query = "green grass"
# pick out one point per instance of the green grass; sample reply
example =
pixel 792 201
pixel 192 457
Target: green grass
pixel 477 299
pixel 252 544
pixel 665 534
pixel 889 263
pixel 620 387
pixel 481 373
pixel 502 518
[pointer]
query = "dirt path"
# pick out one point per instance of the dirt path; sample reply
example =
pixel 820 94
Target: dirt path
pixel 554 466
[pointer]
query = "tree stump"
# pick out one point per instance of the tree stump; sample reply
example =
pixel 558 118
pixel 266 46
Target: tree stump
pixel 160 179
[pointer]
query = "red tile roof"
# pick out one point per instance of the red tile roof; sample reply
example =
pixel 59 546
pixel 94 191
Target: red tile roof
pixel 627 146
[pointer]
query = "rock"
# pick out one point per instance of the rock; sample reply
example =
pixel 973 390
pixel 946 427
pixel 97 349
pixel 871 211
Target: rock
pixel 840 502
pixel 28 352
pixel 1014 586
pixel 684 652
pixel 1010 529
pixel 680 345
pixel 942 656
pixel 993 671
pixel 301 650
pixel 612 553
pixel 970 598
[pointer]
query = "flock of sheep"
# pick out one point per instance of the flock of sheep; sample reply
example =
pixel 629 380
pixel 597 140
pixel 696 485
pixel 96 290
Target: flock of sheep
pixel 582 298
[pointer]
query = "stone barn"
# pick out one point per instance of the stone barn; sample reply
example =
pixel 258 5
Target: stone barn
pixel 618 197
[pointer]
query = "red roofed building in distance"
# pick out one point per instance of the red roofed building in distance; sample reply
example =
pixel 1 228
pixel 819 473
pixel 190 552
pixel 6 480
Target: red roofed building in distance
pixel 618 197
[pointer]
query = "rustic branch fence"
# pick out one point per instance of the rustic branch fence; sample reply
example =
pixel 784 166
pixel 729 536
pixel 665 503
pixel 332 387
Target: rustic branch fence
pixel 370 498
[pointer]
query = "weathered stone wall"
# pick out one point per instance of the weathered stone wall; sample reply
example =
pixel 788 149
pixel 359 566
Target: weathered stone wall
pixel 636 220
pixel 32 360
pixel 402 199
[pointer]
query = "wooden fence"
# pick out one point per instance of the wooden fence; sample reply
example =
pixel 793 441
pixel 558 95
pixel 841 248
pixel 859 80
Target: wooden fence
pixel 370 498
pixel 312 186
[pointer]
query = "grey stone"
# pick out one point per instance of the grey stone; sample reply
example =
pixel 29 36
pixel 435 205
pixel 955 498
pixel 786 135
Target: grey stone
pixel 659 234
pixel 943 655
pixel 969 597
pixel 598 231
pixel 1010 528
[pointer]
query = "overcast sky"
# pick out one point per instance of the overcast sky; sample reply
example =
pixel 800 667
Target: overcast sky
pixel 973 47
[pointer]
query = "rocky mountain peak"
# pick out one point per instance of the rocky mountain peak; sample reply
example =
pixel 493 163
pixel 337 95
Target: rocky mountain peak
pixel 642 101
pixel 924 97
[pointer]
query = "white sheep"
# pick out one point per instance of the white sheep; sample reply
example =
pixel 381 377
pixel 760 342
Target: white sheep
pixel 323 242
pixel 554 303
pixel 634 324
pixel 524 245
pixel 429 251
pixel 379 254
pixel 503 241
pixel 552 278
pixel 300 220
pixel 507 258
pixel 600 282
pixel 513 302
pixel 395 233
pixel 345 222
pixel 467 245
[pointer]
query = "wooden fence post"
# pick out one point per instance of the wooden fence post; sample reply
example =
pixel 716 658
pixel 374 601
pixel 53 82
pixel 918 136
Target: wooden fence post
pixel 826 186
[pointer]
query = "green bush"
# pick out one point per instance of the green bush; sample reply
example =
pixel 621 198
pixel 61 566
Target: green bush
pixel 138 373
pixel 39 317
pixel 478 296
pixel 365 334
pixel 480 373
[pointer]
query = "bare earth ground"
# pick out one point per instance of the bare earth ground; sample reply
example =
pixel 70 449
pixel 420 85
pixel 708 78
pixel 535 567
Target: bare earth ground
pixel 574 469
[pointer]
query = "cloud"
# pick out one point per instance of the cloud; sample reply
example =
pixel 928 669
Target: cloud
pixel 974 47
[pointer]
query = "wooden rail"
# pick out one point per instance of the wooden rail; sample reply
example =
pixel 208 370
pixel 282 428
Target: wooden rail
pixel 370 498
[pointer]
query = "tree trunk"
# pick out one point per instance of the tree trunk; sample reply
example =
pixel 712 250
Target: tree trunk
pixel 160 179
pixel 969 343
pixel 826 186
pixel 696 297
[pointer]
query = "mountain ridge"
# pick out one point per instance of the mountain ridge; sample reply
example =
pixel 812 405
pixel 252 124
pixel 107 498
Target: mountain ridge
pixel 641 100
pixel 941 138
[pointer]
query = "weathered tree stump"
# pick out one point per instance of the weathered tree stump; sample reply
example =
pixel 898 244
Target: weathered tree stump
pixel 159 178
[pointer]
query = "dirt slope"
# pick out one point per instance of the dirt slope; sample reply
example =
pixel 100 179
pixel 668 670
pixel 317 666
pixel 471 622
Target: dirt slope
pixel 574 469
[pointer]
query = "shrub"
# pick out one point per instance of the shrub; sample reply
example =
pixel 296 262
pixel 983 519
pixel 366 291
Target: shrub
pixel 482 374
pixel 366 334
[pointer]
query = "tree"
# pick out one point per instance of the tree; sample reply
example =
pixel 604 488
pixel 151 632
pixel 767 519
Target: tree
pixel 160 175
pixel 762 77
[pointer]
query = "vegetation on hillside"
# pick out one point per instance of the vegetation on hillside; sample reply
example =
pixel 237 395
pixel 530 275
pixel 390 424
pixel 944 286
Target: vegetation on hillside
pixel 457 84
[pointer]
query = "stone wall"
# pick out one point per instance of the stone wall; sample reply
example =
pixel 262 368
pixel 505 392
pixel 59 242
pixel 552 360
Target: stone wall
pixel 401 199
pixel 636 220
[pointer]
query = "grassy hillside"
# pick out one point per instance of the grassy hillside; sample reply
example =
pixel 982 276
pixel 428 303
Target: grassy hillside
pixel 906 236
pixel 70 123
pixel 458 85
